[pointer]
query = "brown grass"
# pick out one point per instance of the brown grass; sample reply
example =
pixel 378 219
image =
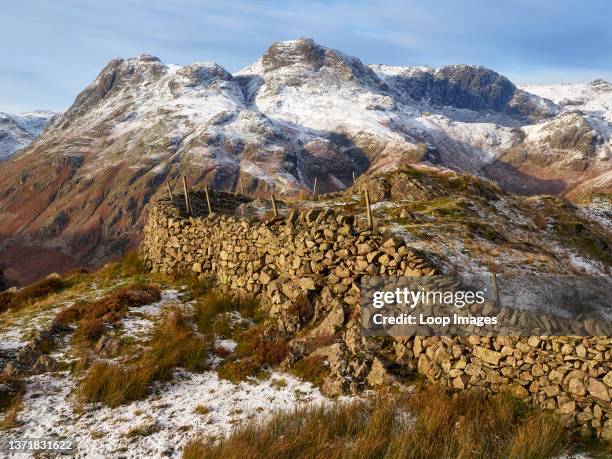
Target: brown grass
pixel 9 387
pixel 213 303
pixel 111 307
pixel 174 344
pixel 311 368
pixel 11 412
pixel 132 264
pixel 429 424
pixel 12 389
pixel 258 348
pixel 31 293
pixel 89 331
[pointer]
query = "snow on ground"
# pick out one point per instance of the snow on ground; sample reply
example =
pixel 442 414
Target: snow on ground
pixel 190 405
pixel 141 319
pixel 168 416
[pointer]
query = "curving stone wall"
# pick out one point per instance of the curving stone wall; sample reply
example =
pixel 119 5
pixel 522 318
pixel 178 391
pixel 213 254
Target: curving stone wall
pixel 317 254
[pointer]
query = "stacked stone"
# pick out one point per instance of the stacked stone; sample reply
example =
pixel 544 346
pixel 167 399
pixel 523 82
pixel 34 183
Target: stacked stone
pixel 569 375
pixel 279 258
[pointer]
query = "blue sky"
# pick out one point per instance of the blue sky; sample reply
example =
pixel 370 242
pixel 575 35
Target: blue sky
pixel 51 49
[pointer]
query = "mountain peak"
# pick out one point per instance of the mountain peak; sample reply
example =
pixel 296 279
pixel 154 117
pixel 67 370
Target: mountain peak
pixel 301 52
pixel 144 57
pixel 304 57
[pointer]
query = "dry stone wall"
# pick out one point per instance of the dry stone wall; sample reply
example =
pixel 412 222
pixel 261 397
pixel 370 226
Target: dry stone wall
pixel 278 258
pixel 568 375
pixel 317 254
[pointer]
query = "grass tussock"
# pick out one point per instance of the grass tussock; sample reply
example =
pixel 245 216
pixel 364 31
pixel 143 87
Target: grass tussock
pixel 311 368
pixel 111 307
pixel 9 420
pixel 258 349
pixel 429 424
pixel 174 344
pixel 32 293
pixel 197 286
pixel 12 389
pixel 214 304
pixel 132 264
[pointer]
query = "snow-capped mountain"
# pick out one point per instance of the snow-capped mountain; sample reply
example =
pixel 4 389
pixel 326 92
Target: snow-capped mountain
pixel 18 131
pixel 300 111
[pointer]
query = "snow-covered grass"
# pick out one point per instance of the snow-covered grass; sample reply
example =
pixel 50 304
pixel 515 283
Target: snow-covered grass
pixel 187 405
pixel 160 425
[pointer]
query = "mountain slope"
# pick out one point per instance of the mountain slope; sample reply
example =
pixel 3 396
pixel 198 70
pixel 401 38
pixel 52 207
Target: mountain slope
pixel 77 193
pixel 18 131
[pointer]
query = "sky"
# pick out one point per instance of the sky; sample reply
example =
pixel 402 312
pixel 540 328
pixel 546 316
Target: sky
pixel 52 49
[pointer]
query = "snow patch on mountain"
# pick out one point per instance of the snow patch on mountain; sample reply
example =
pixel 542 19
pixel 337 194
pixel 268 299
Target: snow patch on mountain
pixel 18 131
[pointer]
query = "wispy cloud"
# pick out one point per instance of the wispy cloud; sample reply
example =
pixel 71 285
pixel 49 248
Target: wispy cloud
pixel 53 49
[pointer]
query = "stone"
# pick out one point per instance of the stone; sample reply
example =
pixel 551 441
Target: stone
pixel 196 267
pixel 608 379
pixel 342 272
pixel 606 431
pixel 518 391
pixel 487 355
pixel 576 387
pixel 307 283
pixel 334 386
pixel 567 408
pixel 473 370
pixel 378 375
pixel 460 382
pixel 264 277
pixel 331 323
pixel 598 390
pixel 533 341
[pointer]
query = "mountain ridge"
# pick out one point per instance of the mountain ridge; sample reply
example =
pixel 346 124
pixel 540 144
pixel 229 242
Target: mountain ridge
pixel 300 112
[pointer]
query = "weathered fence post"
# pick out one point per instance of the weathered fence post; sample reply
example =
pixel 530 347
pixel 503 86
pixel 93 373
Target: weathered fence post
pixel 208 201
pixel 170 192
pixel 187 203
pixel 353 177
pixel 314 190
pixel 274 209
pixel 495 289
pixel 369 210
pixel 241 186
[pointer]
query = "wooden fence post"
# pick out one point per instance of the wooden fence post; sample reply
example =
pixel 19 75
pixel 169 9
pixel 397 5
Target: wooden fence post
pixel 170 192
pixel 274 206
pixel 369 210
pixel 187 203
pixel 208 201
pixel 314 190
pixel 353 177
pixel 241 186
pixel 495 289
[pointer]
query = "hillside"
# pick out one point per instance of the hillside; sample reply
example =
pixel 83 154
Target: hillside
pixel 175 355
pixel 302 111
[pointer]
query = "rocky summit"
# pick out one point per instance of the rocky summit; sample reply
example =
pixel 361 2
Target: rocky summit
pixel 301 112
